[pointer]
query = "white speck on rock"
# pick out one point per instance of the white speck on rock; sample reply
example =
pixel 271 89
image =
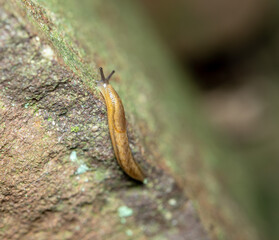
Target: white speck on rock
pixel 47 52
pixel 82 169
pixel 172 202
pixel 95 128
pixel 73 156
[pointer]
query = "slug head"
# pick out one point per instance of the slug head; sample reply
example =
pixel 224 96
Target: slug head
pixel 102 85
pixel 103 78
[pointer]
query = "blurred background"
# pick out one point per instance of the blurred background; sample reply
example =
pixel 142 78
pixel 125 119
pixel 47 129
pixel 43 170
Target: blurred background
pixel 231 49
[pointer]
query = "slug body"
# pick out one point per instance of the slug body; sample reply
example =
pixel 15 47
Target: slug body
pixel 117 128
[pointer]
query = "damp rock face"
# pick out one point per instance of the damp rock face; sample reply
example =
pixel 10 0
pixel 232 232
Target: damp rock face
pixel 59 178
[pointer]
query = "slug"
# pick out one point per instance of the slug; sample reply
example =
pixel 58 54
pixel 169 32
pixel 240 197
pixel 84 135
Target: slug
pixel 117 129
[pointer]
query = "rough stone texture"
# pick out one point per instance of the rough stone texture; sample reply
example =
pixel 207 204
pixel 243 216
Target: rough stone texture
pixel 59 178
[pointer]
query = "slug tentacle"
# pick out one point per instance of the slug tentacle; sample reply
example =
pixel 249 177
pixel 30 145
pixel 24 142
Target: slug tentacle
pixel 104 79
pixel 117 128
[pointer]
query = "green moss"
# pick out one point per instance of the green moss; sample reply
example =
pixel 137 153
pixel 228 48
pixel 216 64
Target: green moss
pixel 2 106
pixel 46 137
pixel 100 174
pixel 35 109
pixel 75 129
